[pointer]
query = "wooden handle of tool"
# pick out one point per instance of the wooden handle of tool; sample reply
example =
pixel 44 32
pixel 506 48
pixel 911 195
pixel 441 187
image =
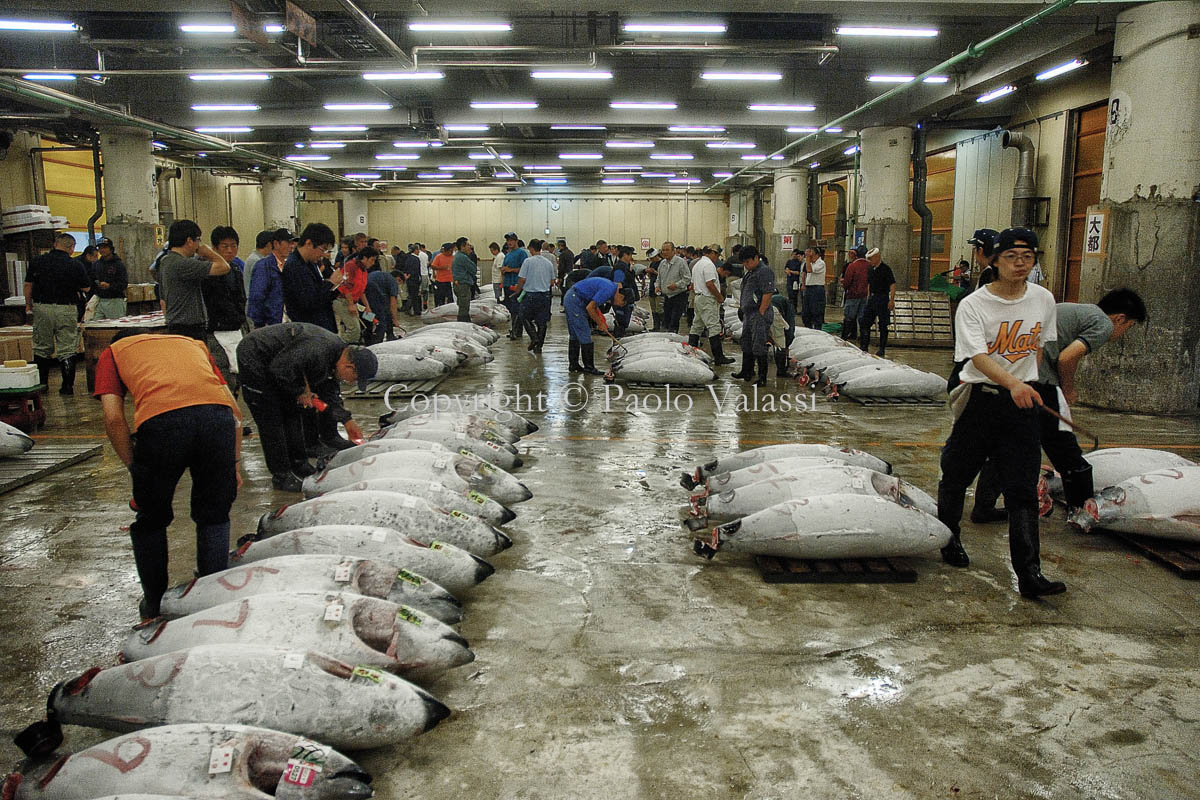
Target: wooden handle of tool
pixel 1095 439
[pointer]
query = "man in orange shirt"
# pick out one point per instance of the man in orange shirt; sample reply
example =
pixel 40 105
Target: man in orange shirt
pixel 443 276
pixel 184 418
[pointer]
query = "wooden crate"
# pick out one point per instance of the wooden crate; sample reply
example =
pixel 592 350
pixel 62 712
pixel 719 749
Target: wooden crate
pixel 1181 557
pixel 921 319
pixel 44 459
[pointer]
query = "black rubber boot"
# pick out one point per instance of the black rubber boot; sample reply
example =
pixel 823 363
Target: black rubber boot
pixel 746 373
pixel 1077 486
pixel 849 329
pixel 589 359
pixel 987 492
pixel 541 338
pixel 43 365
pixel 1024 547
pixel 763 365
pixel 68 375
pixel 950 508
pixel 718 352
pixel 882 343
pixel 657 321
pixel 781 365
pixel 573 357
pixel 693 340
pixel 864 339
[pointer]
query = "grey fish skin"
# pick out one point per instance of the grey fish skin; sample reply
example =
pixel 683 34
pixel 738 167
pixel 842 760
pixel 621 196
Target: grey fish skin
pixel 452 568
pixel 522 426
pixel 438 351
pixel 314 573
pixel 13 442
pixel 663 369
pixel 404 513
pixel 294 691
pixel 754 473
pixel 439 496
pixel 174 760
pixel 377 447
pixel 758 455
pixel 456 471
pixel 1163 503
pixel 498 454
pixel 401 367
pixel 457 421
pixel 349 627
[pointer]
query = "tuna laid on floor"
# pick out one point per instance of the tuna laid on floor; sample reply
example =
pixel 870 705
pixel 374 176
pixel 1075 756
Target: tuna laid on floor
pixel 457 422
pixel 1112 465
pixel 733 461
pixel 456 471
pixel 401 367
pixel 662 368
pixel 314 573
pixel 472 444
pixel 445 405
pixel 377 447
pixel 830 526
pixel 349 627
pixel 13 442
pixel 223 762
pixel 1164 503
pixel 439 496
pixel 404 513
pixel 301 692
pixel 452 568
pixel 413 347
pixel 779 467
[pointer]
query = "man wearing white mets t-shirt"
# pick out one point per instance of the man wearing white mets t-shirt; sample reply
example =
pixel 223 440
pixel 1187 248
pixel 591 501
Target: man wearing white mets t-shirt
pixel 999 333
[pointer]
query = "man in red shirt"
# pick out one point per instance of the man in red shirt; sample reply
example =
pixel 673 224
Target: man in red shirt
pixel 854 281
pixel 184 418
pixel 443 277
pixel 350 294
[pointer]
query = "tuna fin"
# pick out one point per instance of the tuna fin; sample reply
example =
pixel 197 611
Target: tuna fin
pixel 40 740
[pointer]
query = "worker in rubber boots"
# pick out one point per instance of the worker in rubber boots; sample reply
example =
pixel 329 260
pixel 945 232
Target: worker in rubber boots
pixel 756 313
pixel 1000 331
pixel 582 304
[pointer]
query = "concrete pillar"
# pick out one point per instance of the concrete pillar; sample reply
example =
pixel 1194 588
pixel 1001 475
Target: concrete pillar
pixel 354 213
pixel 131 199
pixel 791 215
pixel 883 199
pixel 1149 196
pixel 279 200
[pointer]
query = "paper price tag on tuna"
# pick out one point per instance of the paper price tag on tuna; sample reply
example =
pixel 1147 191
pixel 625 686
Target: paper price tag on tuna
pixel 293 661
pixel 298 773
pixel 435 545
pixel 408 577
pixel 373 675
pixel 220 760
pixel 341 573
pixel 379 535
pixel 333 612
pixel 477 497
pixel 462 437
pixel 405 613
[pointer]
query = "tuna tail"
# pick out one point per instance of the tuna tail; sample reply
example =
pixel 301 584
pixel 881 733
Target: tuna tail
pixel 483 569
pixel 688 481
pixel 502 539
pixel 386 419
pixel 517 462
pixel 695 524
pixel 39 740
pixel 435 710
pixel 507 515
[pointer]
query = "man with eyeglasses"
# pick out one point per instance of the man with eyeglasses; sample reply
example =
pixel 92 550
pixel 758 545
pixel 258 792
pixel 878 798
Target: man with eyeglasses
pixel 1000 331
pixel 308 293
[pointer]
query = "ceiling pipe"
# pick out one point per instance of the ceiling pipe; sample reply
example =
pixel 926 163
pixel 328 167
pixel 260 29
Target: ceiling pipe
pixel 376 35
pixel 972 52
pixel 1025 189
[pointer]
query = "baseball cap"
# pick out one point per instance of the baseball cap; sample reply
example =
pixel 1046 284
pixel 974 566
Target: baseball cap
pixel 652 252
pixel 985 238
pixel 874 251
pixel 284 235
pixel 106 242
pixel 860 250
pixel 365 364
pixel 1015 237
pixel 510 235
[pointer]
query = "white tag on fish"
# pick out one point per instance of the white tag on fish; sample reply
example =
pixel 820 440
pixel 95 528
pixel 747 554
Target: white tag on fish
pixel 409 501
pixel 333 612
pixel 379 535
pixel 293 661
pixel 220 760
pixel 341 573
pixel 857 482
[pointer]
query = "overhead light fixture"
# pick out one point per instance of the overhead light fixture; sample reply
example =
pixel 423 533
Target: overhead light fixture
pixel 777 157
pixel 578 128
pixel 358 106
pixel 722 174
pixel 417 143
pixel 614 181
pixel 619 145
pixel 466 128
pixel 450 26
pixel 403 76
pixel 209 28
pixel 653 105
pixel 754 157
pixel 397 156
pixel 48 76
pixel 434 175
pixel 337 128
pixel 230 76
pixel 229 107
pixel 225 129
pixel 327 145
pixel 550 181
pixel 920 33
pixel 488 156
pixel 1061 69
pixel 580 156
pixel 696 129
pixel 851 150
pixel 684 180
pixel 814 165
pixel 542 167
pixel 658 174
pixel 730 145
pixel 905 79
pixel 306 158
pixel 833 130
pixel 456 167
pixel 364 176
pixel 437 143
pixel 672 156
pixel 741 76
pixel 622 167
pixel 158 145
pixel 36 25
pixel 995 93
pixel 801 129
pixel 570 75
pixel 674 27
pixel 527 104
pixel 779 107
pixel 273 28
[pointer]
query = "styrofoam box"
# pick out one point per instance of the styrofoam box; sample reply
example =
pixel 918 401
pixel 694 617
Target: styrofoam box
pixel 19 377
pixel 17 220
pixel 25 209
pixel 37 226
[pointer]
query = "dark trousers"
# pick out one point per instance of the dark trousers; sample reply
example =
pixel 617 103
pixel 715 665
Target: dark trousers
pixel 200 440
pixel 280 427
pixel 443 292
pixel 812 311
pixel 876 308
pixel 674 308
pixel 535 315
pixel 414 297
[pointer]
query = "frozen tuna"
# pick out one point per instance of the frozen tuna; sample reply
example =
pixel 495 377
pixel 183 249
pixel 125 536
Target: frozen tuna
pixel 663 369
pixel 377 447
pixel 13 442
pixel 758 455
pixel 1112 465
pixel 458 422
pixel 1163 503
pixel 455 471
pixel 439 496
pixel 518 424
pixel 401 367
pixel 498 454
pixel 409 347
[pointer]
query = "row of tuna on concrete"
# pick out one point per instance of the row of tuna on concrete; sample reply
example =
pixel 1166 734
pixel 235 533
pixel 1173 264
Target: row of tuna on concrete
pixel 346 601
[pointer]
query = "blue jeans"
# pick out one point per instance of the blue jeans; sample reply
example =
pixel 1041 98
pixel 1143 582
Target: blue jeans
pixel 813 312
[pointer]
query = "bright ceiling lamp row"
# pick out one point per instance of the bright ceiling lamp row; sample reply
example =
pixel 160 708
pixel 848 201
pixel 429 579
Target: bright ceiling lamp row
pixel 501 105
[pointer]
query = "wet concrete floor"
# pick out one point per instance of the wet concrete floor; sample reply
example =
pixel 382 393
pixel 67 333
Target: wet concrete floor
pixel 611 661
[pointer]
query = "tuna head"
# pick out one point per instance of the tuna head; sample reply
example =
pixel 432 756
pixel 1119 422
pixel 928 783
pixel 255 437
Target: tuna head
pixel 1104 506
pixel 13 442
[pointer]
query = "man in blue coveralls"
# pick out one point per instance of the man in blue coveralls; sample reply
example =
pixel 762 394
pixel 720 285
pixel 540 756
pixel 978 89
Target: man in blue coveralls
pixel 583 301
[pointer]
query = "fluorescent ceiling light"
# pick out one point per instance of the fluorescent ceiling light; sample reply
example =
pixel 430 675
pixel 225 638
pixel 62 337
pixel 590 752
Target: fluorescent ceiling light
pixel 437 143
pixel 580 156
pixel 664 105
pixel 833 130
pixel 617 145
pixel 306 158
pixel 35 25
pixel 450 26
pixel 550 181
pixel 672 156
pixel 209 28
pixel 571 75
pixel 658 174
pixel 741 76
pixel 1060 70
pixel 995 93
pixel 419 143
pixel 684 180
pixel 851 150
pixel 488 156
pixel 230 76
pixel 874 31
pixel 397 156
pixel 48 76
pixel 674 27
pixel 269 28
pixel 730 145
pixel 622 167
pixel 337 128
pixel 777 158
pixel 365 176
pixel 577 128
pixel 229 107
pixel 722 174
pixel 504 104
pixel 779 107
pixel 754 157
pixel 542 167
pixel 905 79
pixel 158 145
pixel 618 180
pixel 358 106
pixel 403 76
pixel 696 129
pixel 467 128
pixel 937 79
pixel 433 175
pixel 327 145
pixel 801 129
pixel 225 129
pixel 814 165
pixel 456 167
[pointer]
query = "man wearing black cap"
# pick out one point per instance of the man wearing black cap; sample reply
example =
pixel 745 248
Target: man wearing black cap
pixel 294 366
pixel 854 281
pixel 756 312
pixel 983 241
pixel 111 279
pixel 999 334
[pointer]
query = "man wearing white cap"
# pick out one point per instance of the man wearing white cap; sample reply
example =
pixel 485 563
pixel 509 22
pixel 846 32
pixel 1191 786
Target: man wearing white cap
pixel 881 300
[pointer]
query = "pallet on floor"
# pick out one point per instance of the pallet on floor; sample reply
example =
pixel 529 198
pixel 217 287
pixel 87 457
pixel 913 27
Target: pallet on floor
pixel 42 460
pixel 840 570
pixel 895 401
pixel 377 389
pixel 1183 558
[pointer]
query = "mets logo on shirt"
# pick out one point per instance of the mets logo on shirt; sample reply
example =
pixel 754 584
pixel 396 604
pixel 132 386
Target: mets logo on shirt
pixel 1013 345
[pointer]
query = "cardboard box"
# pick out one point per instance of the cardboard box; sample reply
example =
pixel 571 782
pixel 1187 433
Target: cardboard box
pixel 13 348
